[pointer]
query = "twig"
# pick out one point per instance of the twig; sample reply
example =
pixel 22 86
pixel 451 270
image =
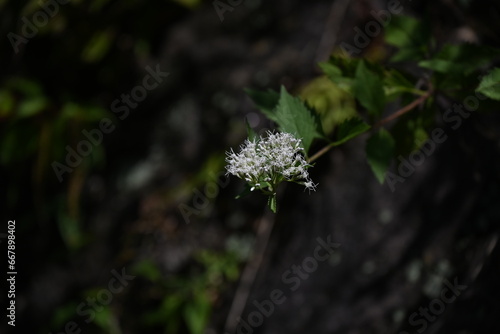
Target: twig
pixel 319 153
pixel 403 110
pixel 250 272
pixel 386 120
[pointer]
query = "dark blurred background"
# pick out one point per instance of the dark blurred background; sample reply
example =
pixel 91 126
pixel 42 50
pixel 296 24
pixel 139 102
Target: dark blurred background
pixel 148 201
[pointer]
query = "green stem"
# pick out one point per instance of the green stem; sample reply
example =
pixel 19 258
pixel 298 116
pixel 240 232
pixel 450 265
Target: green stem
pixel 319 153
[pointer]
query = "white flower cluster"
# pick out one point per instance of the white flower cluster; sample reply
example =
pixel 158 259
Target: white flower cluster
pixel 267 161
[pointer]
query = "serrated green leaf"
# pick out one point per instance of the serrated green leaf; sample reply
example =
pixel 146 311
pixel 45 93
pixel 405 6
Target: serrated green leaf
pixel 265 101
pixel 490 85
pixel 368 89
pixel 293 117
pixel 379 152
pixel 349 129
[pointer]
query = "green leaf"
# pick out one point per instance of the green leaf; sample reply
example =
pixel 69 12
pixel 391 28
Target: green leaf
pixel 490 85
pixel 293 117
pixel 265 101
pixel 32 107
pixel 395 84
pixel 349 129
pixel 147 269
pixel 330 69
pixel 6 103
pixel 379 152
pixel 103 318
pixel 410 35
pixel 168 314
pixel 410 132
pixel 369 90
pixel 341 71
pixel 272 203
pixel 327 99
pixel 456 66
pixel 441 65
pixel 460 60
pixel 71 231
pixel 196 313
pixel 98 46
pixel 340 65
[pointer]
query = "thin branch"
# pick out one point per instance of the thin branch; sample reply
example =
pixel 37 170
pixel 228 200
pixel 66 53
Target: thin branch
pixel 250 272
pixel 386 120
pixel 319 153
pixel 403 110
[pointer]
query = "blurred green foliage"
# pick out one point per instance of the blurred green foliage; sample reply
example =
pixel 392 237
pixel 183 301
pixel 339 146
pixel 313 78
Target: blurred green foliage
pixel 187 301
pixel 61 81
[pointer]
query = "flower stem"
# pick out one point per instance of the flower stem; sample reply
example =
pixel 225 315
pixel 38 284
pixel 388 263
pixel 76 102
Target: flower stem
pixel 319 153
